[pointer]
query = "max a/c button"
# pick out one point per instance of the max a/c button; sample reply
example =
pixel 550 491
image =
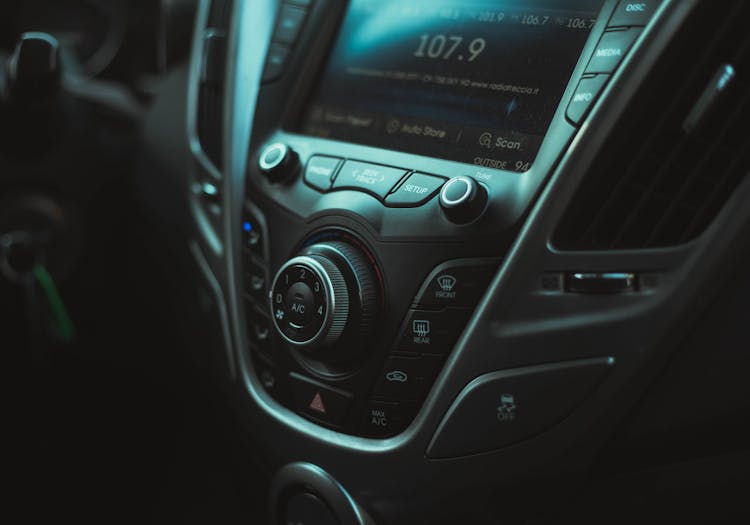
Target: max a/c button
pixel 387 418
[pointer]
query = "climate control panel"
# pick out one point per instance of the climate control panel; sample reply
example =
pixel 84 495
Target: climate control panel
pixel 332 339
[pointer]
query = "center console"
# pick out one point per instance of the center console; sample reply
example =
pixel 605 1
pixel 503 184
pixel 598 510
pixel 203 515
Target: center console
pixel 398 147
pixel 448 245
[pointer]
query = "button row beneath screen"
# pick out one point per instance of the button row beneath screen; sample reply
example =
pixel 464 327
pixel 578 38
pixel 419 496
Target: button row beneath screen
pixel 394 186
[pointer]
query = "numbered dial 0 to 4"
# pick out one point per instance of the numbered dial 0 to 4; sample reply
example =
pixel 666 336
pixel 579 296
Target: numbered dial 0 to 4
pixel 309 302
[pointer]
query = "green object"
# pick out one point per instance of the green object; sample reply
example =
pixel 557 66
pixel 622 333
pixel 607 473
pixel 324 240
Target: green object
pixel 64 324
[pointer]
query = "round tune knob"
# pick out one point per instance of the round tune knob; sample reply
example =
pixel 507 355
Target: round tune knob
pixel 463 199
pixel 278 162
pixel 324 296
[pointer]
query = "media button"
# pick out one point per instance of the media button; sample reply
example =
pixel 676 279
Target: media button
pixel 612 48
pixel 371 178
pixel 415 191
pixel 320 172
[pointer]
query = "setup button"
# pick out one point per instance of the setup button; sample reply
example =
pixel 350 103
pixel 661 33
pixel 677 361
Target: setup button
pixel 415 191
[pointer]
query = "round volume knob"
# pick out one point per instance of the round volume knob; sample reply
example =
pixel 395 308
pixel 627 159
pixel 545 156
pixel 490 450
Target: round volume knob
pixel 310 301
pixel 278 162
pixel 463 199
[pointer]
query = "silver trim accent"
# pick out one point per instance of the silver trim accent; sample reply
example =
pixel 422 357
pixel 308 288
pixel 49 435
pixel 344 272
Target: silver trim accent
pixel 323 277
pixel 470 185
pixel 307 477
pixel 270 166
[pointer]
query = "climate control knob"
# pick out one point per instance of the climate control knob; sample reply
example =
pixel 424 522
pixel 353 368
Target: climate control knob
pixel 324 296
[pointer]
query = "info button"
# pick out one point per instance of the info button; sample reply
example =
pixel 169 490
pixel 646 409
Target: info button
pixel 371 178
pixel 415 191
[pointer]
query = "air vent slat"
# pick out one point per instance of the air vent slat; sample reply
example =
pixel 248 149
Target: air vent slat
pixel 709 159
pixel 654 183
pixel 732 177
pixel 658 133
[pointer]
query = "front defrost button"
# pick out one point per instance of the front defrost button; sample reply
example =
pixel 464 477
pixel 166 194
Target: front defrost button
pixel 457 283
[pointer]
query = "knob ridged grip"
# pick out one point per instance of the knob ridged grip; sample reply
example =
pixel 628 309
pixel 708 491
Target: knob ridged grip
pixel 367 284
pixel 338 301
pixel 309 301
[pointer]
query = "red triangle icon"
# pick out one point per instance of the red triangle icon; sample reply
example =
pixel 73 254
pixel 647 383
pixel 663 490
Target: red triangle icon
pixel 317 404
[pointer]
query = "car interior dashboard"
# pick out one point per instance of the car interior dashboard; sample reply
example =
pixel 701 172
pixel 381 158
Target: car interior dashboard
pixel 379 261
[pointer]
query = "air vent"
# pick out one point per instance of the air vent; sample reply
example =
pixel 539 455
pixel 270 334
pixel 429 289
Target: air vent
pixel 211 90
pixel 680 151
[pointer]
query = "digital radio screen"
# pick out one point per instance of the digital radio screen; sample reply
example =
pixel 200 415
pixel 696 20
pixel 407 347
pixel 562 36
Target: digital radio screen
pixel 475 81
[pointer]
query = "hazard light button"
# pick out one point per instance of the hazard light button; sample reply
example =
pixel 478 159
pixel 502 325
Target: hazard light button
pixel 318 401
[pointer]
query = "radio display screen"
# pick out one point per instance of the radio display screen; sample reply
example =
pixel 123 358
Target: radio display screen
pixel 474 81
